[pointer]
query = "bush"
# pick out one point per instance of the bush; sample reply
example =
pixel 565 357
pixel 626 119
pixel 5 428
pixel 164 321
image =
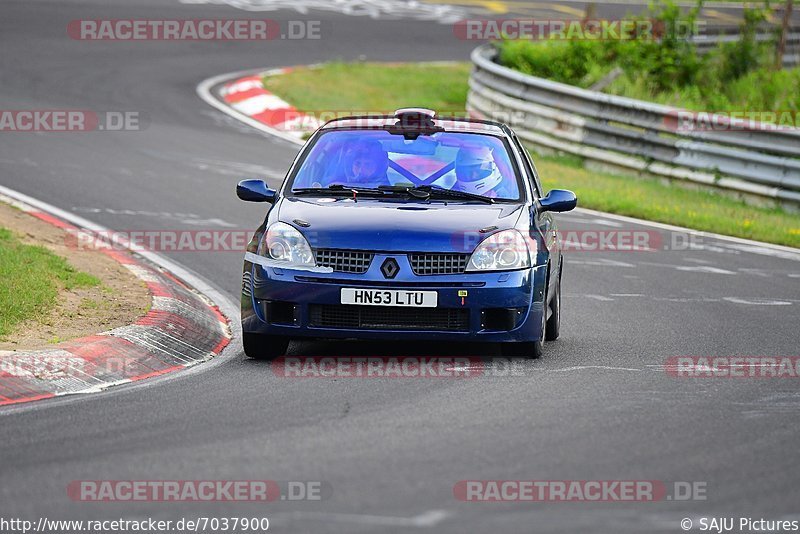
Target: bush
pixel 744 55
pixel 574 62
pixel 668 70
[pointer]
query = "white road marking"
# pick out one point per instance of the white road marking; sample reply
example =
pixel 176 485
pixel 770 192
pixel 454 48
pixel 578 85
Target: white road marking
pixel 425 520
pixel 522 372
pixel 732 300
pixel 186 218
pixel 703 269
pixel 712 248
pixel 757 302
pixel 603 222
pixel 138 213
pixel 233 168
pixel 758 249
pixel 599 297
pixel 685 299
pixel 601 262
pixel 574 214
pixel 586 367
pixel 465 368
pixel 756 272
pixel 208 222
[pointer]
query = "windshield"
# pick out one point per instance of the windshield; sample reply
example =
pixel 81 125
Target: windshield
pixel 466 162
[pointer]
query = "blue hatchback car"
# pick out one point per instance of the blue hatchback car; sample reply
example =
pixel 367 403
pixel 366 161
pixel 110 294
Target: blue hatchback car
pixel 405 227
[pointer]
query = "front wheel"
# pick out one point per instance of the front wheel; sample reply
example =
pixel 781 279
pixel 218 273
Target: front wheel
pixel 526 349
pixel 554 323
pixel 264 347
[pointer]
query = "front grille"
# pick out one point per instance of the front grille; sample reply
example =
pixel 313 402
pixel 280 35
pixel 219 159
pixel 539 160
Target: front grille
pixel 424 264
pixel 388 317
pixel 344 261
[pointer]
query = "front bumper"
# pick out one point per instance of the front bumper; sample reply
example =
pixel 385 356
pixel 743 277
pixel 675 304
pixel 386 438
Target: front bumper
pixel 498 306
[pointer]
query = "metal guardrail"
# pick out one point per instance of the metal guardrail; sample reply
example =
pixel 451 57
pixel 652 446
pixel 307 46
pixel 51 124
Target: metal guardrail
pixel 633 134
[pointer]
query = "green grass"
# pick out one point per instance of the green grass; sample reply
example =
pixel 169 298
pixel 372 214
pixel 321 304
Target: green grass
pixel 32 277
pixel 649 198
pixel 762 90
pixel 371 87
pixel 365 86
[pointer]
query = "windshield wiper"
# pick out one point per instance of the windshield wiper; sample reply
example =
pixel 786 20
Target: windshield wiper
pixel 415 192
pixel 338 189
pixel 428 191
pixel 423 192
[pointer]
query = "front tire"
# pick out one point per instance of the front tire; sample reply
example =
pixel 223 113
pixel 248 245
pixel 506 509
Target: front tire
pixel 524 349
pixel 264 347
pixel 554 323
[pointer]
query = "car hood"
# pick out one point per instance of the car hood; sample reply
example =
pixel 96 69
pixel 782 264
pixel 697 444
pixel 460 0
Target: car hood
pixel 395 226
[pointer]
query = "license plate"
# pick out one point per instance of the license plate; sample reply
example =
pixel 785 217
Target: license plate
pixel 389 297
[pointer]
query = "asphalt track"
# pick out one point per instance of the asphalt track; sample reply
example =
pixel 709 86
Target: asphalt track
pixel 599 405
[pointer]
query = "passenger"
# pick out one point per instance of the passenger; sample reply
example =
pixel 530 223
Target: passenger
pixel 477 172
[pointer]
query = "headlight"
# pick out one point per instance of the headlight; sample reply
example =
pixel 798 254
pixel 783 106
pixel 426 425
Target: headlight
pixel 502 251
pixel 285 244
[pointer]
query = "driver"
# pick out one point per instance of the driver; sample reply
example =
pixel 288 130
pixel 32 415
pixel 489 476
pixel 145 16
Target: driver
pixel 477 172
pixel 366 163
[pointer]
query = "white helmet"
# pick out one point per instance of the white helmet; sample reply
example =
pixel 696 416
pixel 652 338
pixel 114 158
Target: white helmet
pixel 476 171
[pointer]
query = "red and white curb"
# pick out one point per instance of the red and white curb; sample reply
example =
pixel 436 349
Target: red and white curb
pixel 181 329
pixel 242 95
pixel 248 96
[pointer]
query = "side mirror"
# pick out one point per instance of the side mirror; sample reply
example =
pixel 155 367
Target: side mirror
pixel 255 191
pixel 559 200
